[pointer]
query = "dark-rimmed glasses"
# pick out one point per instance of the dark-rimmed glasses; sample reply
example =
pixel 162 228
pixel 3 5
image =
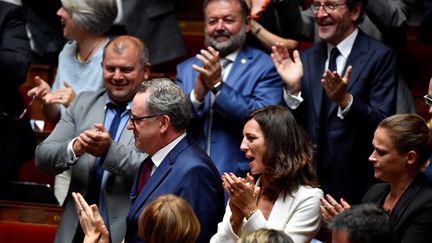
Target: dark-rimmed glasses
pixel 133 118
pixel 21 116
pixel 427 100
pixel 327 6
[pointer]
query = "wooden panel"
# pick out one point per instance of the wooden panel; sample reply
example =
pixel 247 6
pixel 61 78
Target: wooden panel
pixel 20 212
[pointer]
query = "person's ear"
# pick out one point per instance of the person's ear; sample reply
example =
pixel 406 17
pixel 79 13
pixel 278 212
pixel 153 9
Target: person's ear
pixel 411 157
pixel 165 123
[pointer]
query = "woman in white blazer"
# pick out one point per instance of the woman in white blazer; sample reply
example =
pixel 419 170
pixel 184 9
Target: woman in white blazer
pixel 285 196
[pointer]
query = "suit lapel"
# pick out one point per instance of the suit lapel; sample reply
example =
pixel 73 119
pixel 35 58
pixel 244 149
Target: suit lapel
pixel 158 177
pixel 241 65
pixel 357 59
pixel 316 74
pixel 404 201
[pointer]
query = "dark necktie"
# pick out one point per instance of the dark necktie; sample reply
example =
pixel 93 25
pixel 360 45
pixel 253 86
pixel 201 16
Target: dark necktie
pixel 144 173
pixel 95 186
pixel 334 53
pixel 323 143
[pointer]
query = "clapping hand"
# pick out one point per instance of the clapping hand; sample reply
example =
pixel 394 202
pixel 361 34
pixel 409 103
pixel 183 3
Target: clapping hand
pixel 91 221
pixel 290 70
pixel 336 87
pixel 330 207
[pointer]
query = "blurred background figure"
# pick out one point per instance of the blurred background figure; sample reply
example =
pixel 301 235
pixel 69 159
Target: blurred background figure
pixel 85 23
pixel 44 30
pixel 168 218
pixel 364 223
pixel 274 21
pixel 403 144
pixel 17 141
pixel 265 235
pixel 285 195
pixel 155 23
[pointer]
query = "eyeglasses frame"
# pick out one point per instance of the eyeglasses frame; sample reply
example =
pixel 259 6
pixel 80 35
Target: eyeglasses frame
pixel 328 7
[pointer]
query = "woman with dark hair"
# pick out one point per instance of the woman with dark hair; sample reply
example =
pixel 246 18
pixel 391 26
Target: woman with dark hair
pixel 403 144
pixel 285 196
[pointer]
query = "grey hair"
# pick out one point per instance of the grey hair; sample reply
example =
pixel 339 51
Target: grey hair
pixel 95 16
pixel 167 98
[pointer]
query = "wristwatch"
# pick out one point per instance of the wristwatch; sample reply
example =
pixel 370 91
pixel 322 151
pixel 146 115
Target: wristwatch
pixel 217 87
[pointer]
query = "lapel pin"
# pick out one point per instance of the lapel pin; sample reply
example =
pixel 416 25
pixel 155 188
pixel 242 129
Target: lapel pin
pixel 243 61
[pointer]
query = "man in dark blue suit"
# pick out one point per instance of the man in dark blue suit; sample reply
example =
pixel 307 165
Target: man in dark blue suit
pixel 226 81
pixel 340 95
pixel 159 116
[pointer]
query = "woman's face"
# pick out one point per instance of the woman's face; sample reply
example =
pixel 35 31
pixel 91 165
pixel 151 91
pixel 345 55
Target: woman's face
pixel 70 29
pixel 387 161
pixel 254 146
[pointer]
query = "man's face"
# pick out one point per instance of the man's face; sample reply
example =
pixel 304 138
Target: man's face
pixel 335 25
pixel 144 125
pixel 122 73
pixel 225 27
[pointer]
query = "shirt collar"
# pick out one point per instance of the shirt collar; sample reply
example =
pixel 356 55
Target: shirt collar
pixel 344 46
pixel 108 100
pixel 160 155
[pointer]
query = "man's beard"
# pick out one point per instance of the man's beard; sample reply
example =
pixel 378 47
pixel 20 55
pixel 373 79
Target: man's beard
pixel 233 43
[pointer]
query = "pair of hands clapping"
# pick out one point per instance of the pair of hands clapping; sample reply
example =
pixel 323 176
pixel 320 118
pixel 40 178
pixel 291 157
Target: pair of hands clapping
pixel 63 96
pixel 330 207
pixel 291 72
pixel 243 196
pixel 91 221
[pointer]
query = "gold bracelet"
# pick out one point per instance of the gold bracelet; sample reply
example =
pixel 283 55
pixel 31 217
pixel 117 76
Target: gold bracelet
pixel 250 214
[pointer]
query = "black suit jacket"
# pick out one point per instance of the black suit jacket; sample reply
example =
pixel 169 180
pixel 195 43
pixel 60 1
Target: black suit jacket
pixel 154 22
pixel 411 218
pixel 345 171
pixel 17 141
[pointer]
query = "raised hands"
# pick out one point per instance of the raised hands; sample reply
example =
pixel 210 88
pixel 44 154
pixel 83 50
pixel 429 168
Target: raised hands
pixel 63 96
pixel 336 87
pixel 330 207
pixel 209 73
pixel 243 195
pixel 93 141
pixel 42 88
pixel 90 220
pixel 290 70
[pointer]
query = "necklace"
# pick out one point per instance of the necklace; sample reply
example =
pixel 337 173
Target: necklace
pixel 87 56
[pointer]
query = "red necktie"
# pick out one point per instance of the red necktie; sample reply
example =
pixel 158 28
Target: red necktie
pixel 145 173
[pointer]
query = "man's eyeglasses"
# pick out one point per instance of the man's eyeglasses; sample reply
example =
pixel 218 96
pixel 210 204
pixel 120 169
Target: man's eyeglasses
pixel 327 6
pixel 133 118
pixel 21 116
pixel 427 100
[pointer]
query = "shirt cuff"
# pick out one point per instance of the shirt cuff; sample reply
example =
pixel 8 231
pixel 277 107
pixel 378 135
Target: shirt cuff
pixel 292 101
pixel 343 112
pixel 71 154
pixel 194 101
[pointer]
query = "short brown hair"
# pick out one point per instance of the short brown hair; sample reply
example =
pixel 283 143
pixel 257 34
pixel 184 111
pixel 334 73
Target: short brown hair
pixel 169 218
